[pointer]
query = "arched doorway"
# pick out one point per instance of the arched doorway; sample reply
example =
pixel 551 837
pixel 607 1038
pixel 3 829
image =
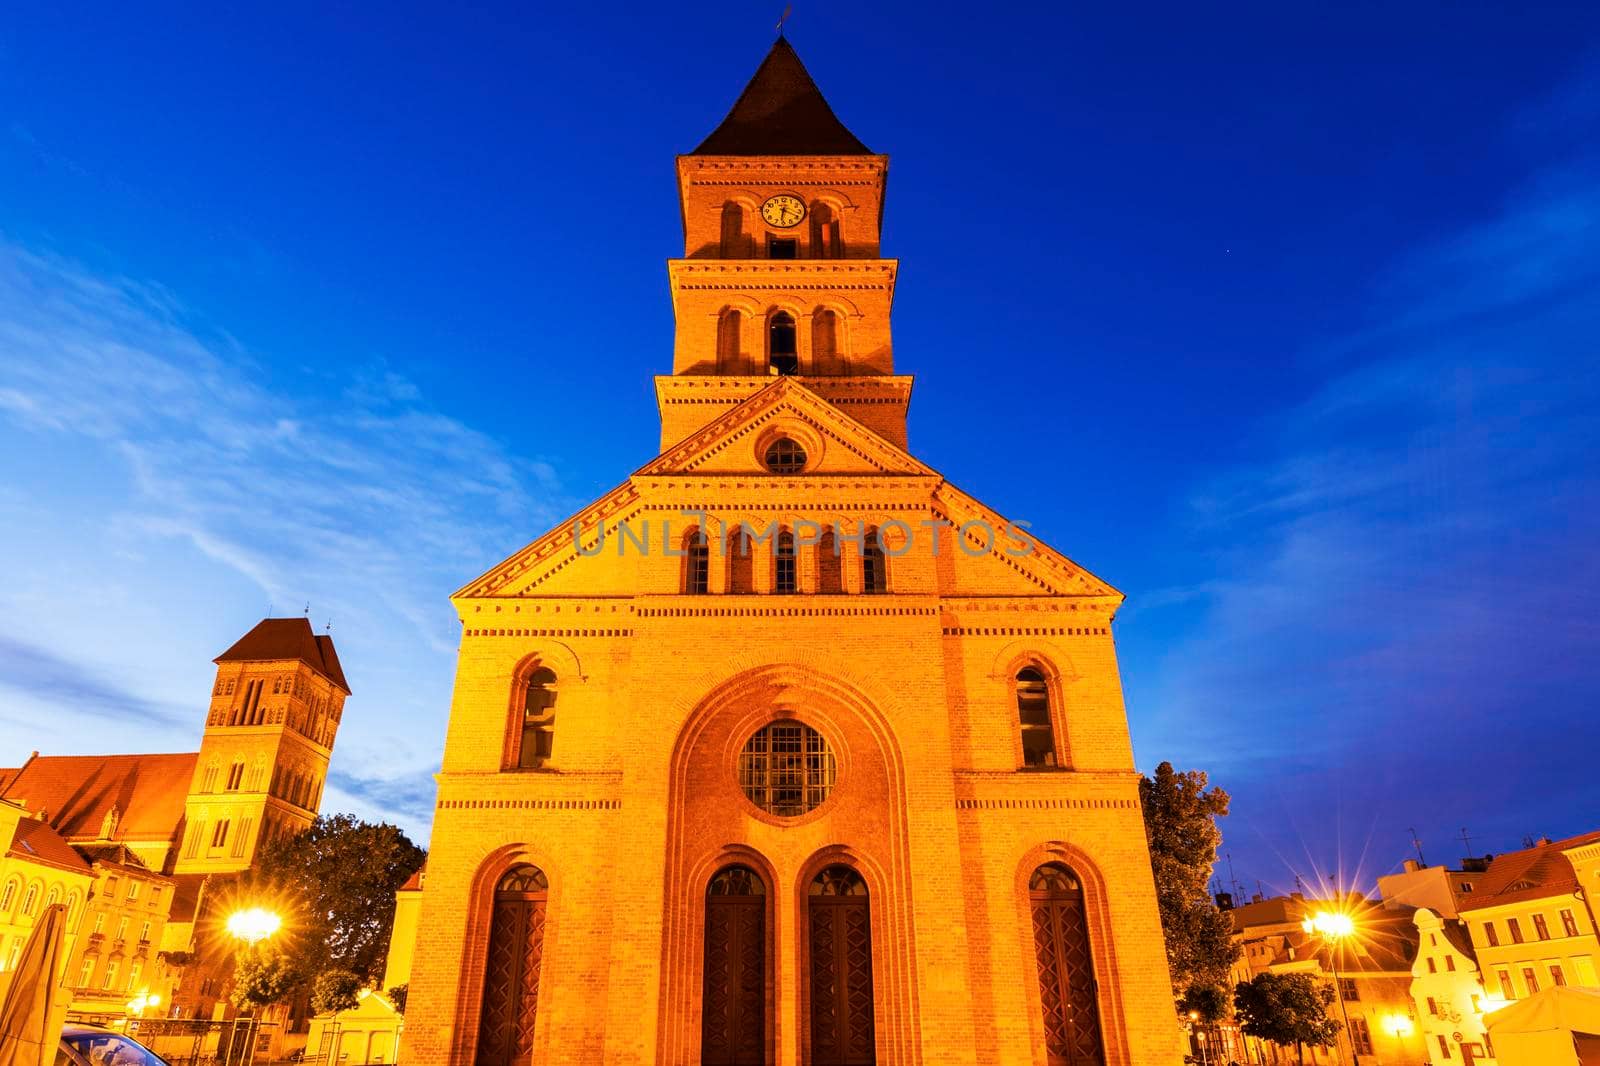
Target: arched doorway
pixel 841 969
pixel 1066 968
pixel 511 976
pixel 733 1028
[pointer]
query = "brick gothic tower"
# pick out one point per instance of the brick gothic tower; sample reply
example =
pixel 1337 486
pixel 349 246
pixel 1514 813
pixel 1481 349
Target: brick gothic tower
pixel 264 755
pixel 817 760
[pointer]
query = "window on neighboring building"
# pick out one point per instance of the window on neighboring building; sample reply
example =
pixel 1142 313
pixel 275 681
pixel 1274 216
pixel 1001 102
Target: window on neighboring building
pixel 1569 924
pixel 30 902
pixel 1541 929
pixel 1491 935
pixel 219 835
pixel 1349 991
pixel 99 921
pixel 538 721
pixel 1507 990
pixel 1433 1007
pixel 1557 976
pixel 86 972
pixel 133 975
pixel 1444 1046
pixel 874 568
pixel 1033 715
pixel 1530 979
pixel 1433 967
pixel 1360 1036
pixel 133 890
pixel 1450 963
pixel 111 974
pixel 1466 886
pixel 235 776
pixel 1515 928
pixel 8 896
pixel 144 933
pixel 785 570
pixel 122 929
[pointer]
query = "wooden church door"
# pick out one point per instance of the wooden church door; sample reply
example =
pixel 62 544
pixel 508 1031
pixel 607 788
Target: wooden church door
pixel 733 1030
pixel 841 970
pixel 1067 989
pixel 511 977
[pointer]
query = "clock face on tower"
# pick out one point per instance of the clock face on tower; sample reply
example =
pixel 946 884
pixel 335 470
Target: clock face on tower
pixel 783 210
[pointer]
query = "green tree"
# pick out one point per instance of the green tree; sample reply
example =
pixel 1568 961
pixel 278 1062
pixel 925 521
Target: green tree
pixel 263 976
pixel 334 991
pixel 1180 822
pixel 1286 1008
pixel 397 996
pixel 337 880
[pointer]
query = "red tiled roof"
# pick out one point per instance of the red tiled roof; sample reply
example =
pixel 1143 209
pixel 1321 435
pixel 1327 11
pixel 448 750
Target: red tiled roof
pixel 275 639
pixel 413 883
pixel 781 112
pixel 76 792
pixel 36 841
pixel 1532 873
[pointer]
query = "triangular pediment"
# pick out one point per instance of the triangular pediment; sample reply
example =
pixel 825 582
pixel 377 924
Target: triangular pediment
pixel 735 442
pixel 841 453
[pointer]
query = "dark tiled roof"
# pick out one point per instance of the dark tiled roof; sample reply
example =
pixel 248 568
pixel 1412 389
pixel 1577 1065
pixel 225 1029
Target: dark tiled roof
pixel 1532 873
pixel 76 792
pixel 781 112
pixel 36 841
pixel 276 639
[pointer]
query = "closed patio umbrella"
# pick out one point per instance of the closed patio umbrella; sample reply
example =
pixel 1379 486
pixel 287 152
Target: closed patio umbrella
pixel 34 1009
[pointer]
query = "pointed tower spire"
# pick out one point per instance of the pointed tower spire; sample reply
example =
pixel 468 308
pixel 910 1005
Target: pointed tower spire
pixel 781 112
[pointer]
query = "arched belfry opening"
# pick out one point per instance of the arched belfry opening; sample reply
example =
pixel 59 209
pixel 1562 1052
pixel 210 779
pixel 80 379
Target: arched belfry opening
pixel 783 355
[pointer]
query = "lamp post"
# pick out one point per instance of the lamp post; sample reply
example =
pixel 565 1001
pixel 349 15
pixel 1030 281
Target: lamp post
pixel 253 925
pixel 1200 1035
pixel 1333 927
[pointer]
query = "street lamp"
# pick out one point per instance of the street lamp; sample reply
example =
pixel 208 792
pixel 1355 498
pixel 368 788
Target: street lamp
pixel 138 1003
pixel 253 925
pixel 1398 1025
pixel 1194 1022
pixel 1333 927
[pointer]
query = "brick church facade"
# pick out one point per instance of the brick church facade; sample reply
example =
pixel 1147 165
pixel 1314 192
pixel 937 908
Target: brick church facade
pixel 787 750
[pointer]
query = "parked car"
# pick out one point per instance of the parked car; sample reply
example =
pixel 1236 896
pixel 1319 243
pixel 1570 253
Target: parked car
pixel 91 1045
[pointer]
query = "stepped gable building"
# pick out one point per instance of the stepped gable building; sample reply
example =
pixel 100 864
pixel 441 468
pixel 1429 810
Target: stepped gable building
pixel 800 781
pixel 148 831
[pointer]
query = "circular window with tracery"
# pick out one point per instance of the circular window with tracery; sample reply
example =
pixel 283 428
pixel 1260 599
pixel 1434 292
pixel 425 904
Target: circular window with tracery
pixel 785 456
pixel 786 769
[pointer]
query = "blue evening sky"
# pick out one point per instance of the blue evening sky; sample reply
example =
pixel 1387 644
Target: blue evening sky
pixel 1281 319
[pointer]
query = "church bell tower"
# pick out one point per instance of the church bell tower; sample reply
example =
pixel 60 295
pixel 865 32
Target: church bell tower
pixel 782 273
pixel 275 708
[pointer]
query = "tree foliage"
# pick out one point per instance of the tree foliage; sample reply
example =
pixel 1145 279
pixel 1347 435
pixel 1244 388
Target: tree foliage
pixel 262 977
pixel 1286 1008
pixel 334 991
pixel 397 996
pixel 1180 821
pixel 1210 1002
pixel 338 879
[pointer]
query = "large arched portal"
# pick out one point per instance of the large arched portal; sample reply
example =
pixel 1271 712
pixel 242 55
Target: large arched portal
pixel 1066 968
pixel 839 924
pixel 511 976
pixel 734 1004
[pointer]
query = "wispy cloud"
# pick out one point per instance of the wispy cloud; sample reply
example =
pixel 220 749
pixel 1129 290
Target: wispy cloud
pixel 1407 571
pixel 340 485
pixel 33 671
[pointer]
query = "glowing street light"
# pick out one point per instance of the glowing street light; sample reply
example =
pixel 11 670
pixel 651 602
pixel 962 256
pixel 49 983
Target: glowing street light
pixel 1194 1023
pixel 144 999
pixel 1333 927
pixel 253 925
pixel 1398 1025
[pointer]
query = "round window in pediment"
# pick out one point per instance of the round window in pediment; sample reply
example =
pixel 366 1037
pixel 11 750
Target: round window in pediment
pixel 787 769
pixel 785 456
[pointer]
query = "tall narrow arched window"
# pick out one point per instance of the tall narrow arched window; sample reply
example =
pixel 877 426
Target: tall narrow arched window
pixel 513 968
pixel 830 565
pixel 538 733
pixel 782 355
pixel 1066 968
pixel 696 563
pixel 874 570
pixel 741 561
pixel 1033 715
pixel 728 357
pixel 824 338
pixel 734 245
pixel 785 569
pixel 734 1004
pixel 825 242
